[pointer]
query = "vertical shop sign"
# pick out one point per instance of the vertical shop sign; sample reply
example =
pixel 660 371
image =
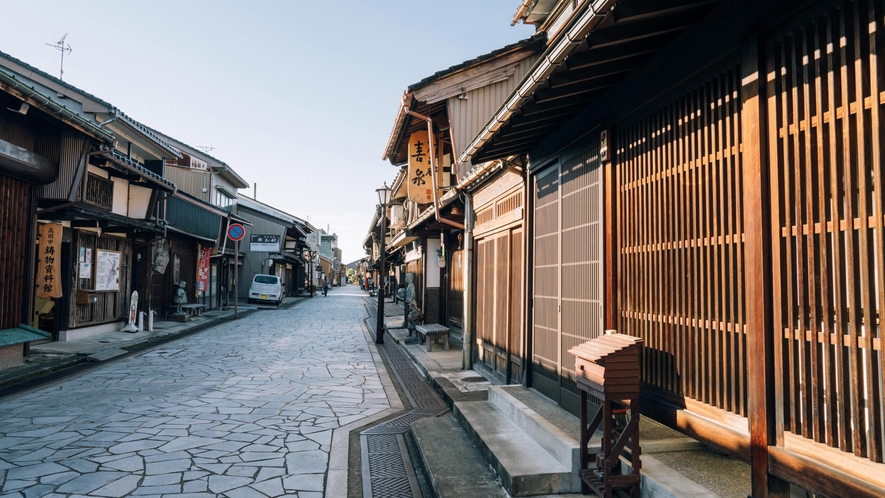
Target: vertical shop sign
pixel 203 270
pixel 49 261
pixel 420 184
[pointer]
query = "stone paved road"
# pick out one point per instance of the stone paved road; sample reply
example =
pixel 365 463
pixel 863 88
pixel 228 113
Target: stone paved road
pixel 246 409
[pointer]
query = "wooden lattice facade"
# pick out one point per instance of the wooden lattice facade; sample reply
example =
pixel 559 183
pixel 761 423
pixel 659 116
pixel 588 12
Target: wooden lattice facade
pixel 739 230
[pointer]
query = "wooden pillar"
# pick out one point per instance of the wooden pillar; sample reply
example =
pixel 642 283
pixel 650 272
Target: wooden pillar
pixel 762 401
pixel 610 253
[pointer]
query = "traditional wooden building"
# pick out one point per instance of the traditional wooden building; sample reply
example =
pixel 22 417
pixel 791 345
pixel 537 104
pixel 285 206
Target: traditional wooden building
pixel 451 106
pixel 707 176
pixel 198 217
pixel 274 244
pixel 39 141
pixel 106 198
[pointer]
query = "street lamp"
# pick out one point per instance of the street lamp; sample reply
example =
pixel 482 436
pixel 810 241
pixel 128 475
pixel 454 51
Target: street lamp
pixel 383 199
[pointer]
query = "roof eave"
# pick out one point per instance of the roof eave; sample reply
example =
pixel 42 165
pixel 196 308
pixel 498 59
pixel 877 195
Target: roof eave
pixel 566 41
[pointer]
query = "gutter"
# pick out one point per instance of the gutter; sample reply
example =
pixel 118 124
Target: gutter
pixel 476 173
pixel 434 168
pixel 554 57
pixel 521 12
pixel 404 107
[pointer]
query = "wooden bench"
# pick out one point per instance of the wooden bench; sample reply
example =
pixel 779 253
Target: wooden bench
pixel 430 331
pixel 193 309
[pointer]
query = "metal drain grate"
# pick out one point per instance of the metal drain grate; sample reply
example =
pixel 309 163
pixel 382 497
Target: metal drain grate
pixel 387 469
pixel 386 466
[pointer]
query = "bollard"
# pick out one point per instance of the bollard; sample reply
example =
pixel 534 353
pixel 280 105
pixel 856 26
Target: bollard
pixel 141 320
pixel 151 314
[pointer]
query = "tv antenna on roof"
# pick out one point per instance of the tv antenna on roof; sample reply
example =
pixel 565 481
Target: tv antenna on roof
pixel 205 148
pixel 61 47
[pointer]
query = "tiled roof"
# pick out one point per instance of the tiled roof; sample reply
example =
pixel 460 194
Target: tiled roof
pixel 54 79
pixel 122 160
pixel 52 106
pixel 538 38
pixel 145 130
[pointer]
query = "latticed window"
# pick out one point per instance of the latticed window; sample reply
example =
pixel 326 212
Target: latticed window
pixel 99 191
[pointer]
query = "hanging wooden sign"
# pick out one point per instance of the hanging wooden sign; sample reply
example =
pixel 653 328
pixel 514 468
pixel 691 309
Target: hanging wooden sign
pixel 49 261
pixel 420 184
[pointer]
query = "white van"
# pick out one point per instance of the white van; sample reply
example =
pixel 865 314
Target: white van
pixel 266 288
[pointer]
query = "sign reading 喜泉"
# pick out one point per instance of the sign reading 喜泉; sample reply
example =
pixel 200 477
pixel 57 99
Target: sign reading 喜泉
pixel 420 184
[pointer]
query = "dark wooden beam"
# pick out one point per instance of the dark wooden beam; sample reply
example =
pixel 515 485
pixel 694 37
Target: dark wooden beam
pixel 596 71
pixel 634 10
pixel 668 22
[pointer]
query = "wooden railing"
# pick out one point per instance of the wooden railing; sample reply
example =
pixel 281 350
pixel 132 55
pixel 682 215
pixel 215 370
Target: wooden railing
pixel 99 192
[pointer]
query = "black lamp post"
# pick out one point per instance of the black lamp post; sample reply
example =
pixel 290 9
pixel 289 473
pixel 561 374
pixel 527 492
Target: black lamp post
pixel 383 199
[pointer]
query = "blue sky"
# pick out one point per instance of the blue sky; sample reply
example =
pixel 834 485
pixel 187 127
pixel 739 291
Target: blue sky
pixel 298 97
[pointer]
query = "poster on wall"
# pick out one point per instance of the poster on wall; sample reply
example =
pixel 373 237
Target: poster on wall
pixel 49 261
pixel 85 263
pixel 107 270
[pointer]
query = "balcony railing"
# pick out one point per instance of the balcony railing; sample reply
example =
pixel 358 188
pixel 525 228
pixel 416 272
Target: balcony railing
pixel 99 192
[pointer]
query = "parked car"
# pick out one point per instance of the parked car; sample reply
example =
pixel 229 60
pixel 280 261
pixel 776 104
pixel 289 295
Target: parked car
pixel 266 288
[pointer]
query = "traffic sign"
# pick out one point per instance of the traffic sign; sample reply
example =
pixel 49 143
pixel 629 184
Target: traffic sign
pixel 236 231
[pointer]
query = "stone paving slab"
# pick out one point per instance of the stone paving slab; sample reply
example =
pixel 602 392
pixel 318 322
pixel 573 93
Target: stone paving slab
pixel 252 408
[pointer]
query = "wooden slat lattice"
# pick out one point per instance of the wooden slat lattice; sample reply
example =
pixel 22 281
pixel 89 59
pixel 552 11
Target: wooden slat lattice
pixel 681 242
pixel 825 140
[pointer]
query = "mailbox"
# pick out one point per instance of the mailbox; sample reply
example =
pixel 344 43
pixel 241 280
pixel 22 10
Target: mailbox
pixel 608 368
pixel 86 297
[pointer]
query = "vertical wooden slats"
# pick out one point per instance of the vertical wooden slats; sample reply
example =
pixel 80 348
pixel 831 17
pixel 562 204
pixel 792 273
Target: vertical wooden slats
pixel 877 135
pixel 839 408
pixel 847 84
pixel 15 202
pixel 826 190
pixel 822 375
pixel 680 254
pixel 862 133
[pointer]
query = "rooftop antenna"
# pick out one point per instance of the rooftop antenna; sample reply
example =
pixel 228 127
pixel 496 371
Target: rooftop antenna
pixel 205 148
pixel 61 47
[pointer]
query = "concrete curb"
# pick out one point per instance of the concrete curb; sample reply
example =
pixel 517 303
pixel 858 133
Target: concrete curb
pixel 337 476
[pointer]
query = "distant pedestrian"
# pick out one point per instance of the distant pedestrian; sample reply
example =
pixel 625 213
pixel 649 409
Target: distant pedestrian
pixel 325 286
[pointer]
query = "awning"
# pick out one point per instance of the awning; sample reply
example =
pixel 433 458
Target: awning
pixel 286 256
pixel 123 163
pixel 21 335
pixel 402 239
pixel 209 241
pixel 601 46
pixel 83 215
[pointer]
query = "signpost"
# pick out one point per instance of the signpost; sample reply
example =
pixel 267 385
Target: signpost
pixel 133 310
pixel 236 232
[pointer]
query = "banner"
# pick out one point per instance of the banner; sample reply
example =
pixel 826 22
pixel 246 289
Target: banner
pixel 203 270
pixel 49 261
pixel 420 184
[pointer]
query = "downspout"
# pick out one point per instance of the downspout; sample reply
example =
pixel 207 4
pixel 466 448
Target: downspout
pixel 521 11
pixel 80 176
pixel 467 340
pixel 434 168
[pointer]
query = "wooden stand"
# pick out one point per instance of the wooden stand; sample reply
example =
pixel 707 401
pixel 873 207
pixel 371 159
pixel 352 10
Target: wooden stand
pixel 608 368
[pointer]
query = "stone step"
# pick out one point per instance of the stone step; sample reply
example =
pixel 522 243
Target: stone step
pixel 524 467
pixel 451 462
pixel 560 444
